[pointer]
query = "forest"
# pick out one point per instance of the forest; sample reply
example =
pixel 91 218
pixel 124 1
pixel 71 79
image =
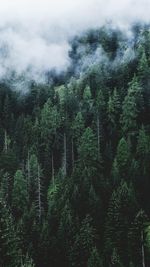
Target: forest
pixel 75 158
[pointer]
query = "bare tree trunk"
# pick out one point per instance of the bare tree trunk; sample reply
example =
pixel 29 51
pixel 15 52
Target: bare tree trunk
pixel 98 136
pixel 143 253
pixel 28 171
pixel 39 195
pixel 72 153
pixel 65 156
pixel 53 170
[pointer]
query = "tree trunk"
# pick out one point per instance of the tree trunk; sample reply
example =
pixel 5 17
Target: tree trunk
pixel 28 171
pixel 72 153
pixel 98 136
pixel 65 156
pixel 53 170
pixel 39 195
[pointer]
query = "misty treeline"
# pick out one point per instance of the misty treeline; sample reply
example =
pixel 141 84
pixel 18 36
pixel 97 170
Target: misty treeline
pixel 75 159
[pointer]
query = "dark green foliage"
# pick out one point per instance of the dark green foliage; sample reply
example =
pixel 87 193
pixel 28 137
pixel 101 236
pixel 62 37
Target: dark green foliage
pixel 9 243
pixel 19 194
pixel 122 161
pixel 75 159
pixel 121 212
pixel 132 107
pixel 83 243
pixel 88 147
pixel 94 259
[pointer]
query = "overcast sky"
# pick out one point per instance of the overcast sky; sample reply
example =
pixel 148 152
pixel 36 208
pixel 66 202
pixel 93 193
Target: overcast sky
pixel 34 33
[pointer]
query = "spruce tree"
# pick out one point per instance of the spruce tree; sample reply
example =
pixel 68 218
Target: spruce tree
pixel 94 259
pixel 19 194
pixel 132 107
pixel 9 242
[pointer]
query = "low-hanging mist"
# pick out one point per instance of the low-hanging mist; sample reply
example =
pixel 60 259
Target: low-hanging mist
pixel 34 35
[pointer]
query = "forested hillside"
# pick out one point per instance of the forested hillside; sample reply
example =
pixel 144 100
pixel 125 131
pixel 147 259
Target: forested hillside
pixel 75 158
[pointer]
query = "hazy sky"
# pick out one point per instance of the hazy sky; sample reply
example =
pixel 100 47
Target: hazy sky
pixel 34 33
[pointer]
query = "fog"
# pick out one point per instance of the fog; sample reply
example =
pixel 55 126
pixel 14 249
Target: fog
pixel 35 34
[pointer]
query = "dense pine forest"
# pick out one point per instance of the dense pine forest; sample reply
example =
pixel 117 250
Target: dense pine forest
pixel 75 158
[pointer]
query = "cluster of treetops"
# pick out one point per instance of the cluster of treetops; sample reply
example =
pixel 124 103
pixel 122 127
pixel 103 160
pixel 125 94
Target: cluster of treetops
pixel 75 160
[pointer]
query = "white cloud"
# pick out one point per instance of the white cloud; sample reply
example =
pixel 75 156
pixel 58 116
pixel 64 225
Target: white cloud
pixel 34 34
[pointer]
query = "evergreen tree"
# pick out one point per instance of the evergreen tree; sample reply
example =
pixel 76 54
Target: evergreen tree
pixel 100 121
pixel 117 224
pixel 143 150
pixel 143 67
pixel 121 165
pixel 19 194
pixel 114 109
pixel 83 243
pixel 6 188
pixel 9 243
pixel 132 107
pixel 35 185
pixel 94 259
pixel 88 147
